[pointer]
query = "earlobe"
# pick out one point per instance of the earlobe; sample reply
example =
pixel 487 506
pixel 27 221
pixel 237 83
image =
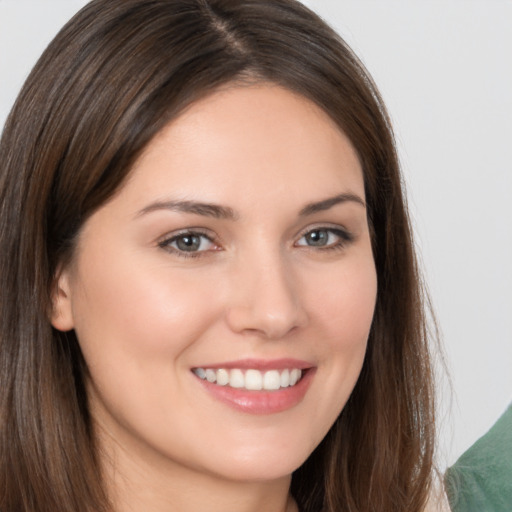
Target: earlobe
pixel 62 312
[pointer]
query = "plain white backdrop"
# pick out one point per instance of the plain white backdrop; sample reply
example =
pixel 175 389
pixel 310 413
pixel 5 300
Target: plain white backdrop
pixel 444 68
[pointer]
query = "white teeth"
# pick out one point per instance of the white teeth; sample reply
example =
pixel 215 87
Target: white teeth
pixel 285 378
pixel 294 376
pixel 236 379
pixel 271 380
pixel 252 379
pixel 200 372
pixel 211 376
pixel 222 377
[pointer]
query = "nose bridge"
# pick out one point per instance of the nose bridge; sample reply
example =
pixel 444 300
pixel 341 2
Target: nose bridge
pixel 265 295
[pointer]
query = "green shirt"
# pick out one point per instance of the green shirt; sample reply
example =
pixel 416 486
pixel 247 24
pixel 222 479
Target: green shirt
pixel 481 480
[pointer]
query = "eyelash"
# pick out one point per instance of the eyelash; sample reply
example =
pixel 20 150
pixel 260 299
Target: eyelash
pixel 344 238
pixel 166 243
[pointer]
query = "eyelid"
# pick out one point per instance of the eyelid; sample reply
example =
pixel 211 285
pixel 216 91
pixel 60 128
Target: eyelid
pixel 327 227
pixel 186 231
pixel 165 241
pixel 344 234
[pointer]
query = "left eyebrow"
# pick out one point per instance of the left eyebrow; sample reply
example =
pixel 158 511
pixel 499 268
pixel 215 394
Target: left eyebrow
pixel 328 203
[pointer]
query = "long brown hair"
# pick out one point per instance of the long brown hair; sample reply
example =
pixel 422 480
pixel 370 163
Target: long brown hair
pixel 111 79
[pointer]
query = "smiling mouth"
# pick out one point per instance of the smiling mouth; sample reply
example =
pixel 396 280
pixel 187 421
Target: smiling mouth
pixel 251 379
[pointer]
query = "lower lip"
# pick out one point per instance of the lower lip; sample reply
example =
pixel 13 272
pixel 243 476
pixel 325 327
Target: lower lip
pixel 261 402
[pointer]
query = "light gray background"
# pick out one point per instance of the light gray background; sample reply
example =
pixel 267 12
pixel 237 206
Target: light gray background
pixel 445 70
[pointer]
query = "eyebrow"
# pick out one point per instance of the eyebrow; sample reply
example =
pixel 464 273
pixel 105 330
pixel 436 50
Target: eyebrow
pixel 225 212
pixel 326 204
pixel 197 208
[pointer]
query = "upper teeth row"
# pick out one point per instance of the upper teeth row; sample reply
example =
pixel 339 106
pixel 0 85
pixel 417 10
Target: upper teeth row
pixel 253 380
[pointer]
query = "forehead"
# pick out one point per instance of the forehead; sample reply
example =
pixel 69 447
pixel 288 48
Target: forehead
pixel 261 139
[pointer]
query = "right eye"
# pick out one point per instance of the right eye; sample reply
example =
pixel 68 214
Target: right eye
pixel 188 243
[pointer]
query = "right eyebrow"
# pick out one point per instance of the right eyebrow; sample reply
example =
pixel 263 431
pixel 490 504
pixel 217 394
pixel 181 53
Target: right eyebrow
pixel 205 209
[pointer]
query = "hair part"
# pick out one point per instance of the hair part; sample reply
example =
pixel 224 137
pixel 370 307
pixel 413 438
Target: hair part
pixel 114 76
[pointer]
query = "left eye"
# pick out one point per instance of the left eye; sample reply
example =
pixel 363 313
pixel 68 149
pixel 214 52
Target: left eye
pixel 323 237
pixel 189 242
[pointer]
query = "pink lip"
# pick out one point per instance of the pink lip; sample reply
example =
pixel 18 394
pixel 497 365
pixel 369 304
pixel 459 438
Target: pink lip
pixel 262 402
pixel 261 364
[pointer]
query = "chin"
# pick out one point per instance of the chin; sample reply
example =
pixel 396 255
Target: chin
pixel 258 464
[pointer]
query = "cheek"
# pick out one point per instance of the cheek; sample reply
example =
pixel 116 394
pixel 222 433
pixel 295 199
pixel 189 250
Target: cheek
pixel 341 309
pixel 346 311
pixel 136 312
pixel 135 325
pixel 346 306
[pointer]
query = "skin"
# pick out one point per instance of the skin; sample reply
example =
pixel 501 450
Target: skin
pixel 145 314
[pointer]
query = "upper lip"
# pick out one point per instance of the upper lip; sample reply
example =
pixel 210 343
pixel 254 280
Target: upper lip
pixel 261 364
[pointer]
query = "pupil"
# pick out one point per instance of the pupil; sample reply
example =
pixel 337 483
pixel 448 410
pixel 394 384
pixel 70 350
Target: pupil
pixel 188 243
pixel 317 238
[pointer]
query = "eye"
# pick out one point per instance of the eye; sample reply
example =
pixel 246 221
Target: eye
pixel 324 238
pixel 188 243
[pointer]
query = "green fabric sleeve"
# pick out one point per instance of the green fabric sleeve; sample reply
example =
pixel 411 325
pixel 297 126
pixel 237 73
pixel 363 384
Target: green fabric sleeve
pixel 481 479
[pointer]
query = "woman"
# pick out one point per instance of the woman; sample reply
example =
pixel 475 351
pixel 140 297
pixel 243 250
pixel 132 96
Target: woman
pixel 209 291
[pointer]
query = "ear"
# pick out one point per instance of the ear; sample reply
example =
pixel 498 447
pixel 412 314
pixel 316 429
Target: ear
pixel 62 311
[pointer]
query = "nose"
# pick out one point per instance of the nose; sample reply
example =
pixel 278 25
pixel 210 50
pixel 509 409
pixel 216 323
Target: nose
pixel 265 299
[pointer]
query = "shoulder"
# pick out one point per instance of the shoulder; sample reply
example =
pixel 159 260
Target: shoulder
pixel 481 479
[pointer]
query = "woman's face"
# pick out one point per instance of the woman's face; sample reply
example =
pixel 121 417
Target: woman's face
pixel 235 259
